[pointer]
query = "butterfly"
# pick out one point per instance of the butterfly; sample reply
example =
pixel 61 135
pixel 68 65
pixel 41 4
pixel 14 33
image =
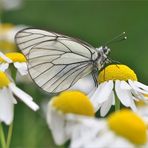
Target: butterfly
pixel 56 61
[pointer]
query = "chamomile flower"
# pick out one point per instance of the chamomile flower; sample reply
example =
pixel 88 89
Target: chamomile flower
pixel 11 5
pixel 17 59
pixel 8 92
pixel 7 35
pixel 119 81
pixel 143 109
pixel 69 104
pixel 121 129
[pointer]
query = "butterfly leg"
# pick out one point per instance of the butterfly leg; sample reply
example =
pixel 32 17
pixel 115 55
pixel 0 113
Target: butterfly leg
pixel 95 77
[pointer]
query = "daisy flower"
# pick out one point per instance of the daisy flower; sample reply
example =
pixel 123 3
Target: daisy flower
pixel 118 83
pixel 7 35
pixel 11 5
pixel 69 104
pixel 9 93
pixel 116 131
pixel 18 60
pixel 143 110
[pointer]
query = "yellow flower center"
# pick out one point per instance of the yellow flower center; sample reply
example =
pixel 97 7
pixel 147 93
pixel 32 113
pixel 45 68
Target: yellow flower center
pixel 117 72
pixel 5 27
pixel 4 80
pixel 127 124
pixel 5 45
pixel 73 102
pixel 15 57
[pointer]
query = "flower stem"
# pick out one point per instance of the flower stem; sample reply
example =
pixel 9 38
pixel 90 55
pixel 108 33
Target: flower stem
pixel 13 72
pixel 2 137
pixel 9 136
pixel 117 104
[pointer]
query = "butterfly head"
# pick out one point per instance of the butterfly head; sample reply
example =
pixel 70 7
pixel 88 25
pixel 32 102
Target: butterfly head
pixel 103 50
pixel 106 50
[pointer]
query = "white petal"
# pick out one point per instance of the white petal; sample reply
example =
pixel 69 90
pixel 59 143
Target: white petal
pixel 103 140
pixel 92 92
pixel 103 92
pixel 121 143
pixel 138 96
pixel 125 85
pixel 10 95
pixel 4 66
pixel 5 58
pixel 138 84
pixel 124 96
pixel 24 97
pixel 83 134
pixel 97 91
pixel 107 105
pixel 85 84
pixel 56 123
pixel 6 107
pixel 132 105
pixel 21 67
pixel 135 87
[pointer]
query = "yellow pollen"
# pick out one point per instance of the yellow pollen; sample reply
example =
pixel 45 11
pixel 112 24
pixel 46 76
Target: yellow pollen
pixel 4 80
pixel 15 57
pixel 73 102
pixel 117 72
pixel 129 125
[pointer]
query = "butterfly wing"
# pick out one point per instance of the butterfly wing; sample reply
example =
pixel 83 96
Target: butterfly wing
pixel 55 61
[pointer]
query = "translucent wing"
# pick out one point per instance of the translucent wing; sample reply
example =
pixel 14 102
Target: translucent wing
pixel 56 62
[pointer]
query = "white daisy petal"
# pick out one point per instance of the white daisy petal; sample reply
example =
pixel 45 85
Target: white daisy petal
pixel 124 96
pixel 56 123
pixel 24 97
pixel 132 105
pixel 132 84
pixel 83 133
pixel 103 92
pixel 80 134
pixel 105 107
pixel 10 95
pixel 21 67
pixel 5 58
pixel 85 84
pixel 138 96
pixel 138 84
pixel 93 97
pixel 6 107
pixel 103 141
pixel 4 66
pixel 125 85
pixel 121 143
pixel 92 92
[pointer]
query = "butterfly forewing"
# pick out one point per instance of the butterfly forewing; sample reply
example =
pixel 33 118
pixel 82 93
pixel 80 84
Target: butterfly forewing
pixel 55 61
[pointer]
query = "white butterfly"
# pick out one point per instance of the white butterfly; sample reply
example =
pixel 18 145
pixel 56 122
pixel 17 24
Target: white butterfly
pixel 55 61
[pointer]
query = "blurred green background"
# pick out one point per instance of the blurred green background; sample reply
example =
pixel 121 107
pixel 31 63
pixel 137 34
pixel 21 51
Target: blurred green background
pixel 93 21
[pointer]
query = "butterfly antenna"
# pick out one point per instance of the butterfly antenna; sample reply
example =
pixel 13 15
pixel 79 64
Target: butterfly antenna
pixel 118 38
